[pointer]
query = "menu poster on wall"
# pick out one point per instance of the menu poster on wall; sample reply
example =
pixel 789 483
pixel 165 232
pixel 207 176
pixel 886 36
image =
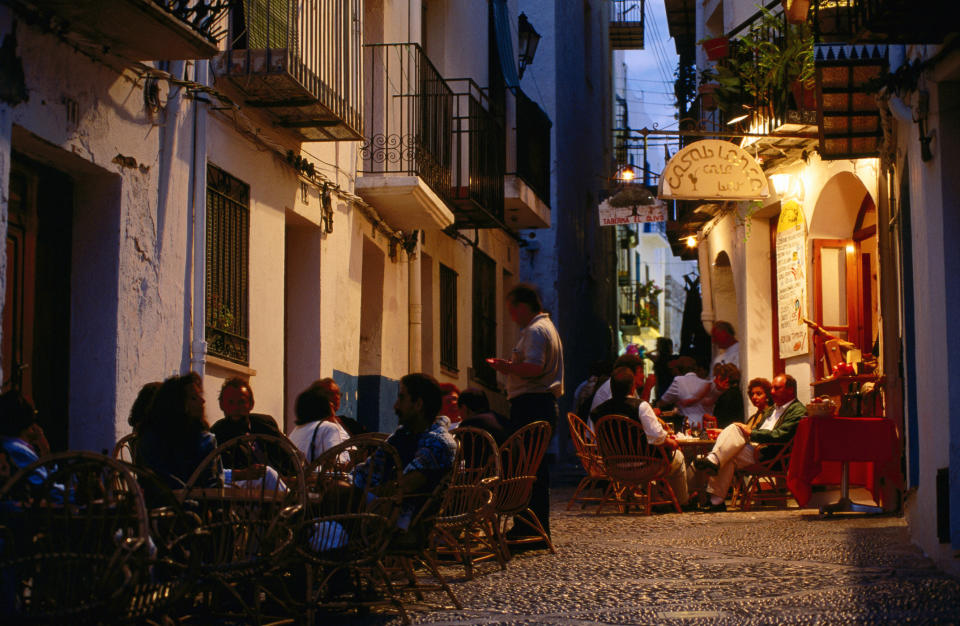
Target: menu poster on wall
pixel 792 280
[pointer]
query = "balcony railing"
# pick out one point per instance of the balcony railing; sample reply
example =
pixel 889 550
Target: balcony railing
pixel 785 100
pixel 533 146
pixel 626 24
pixel 479 158
pixel 300 62
pixel 409 113
pixel 143 30
pixel 882 21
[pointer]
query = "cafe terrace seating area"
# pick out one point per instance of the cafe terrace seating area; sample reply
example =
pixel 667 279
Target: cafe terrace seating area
pixel 86 538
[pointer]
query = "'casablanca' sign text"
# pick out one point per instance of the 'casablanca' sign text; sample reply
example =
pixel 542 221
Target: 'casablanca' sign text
pixel 712 169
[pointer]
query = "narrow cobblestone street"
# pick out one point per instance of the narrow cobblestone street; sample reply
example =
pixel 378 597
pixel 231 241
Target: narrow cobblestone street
pixel 767 567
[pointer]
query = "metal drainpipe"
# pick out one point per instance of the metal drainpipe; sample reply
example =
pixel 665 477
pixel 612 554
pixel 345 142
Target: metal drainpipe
pixel 414 296
pixel 198 209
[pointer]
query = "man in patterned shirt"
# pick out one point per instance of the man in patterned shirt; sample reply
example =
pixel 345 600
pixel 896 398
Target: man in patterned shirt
pixel 425 446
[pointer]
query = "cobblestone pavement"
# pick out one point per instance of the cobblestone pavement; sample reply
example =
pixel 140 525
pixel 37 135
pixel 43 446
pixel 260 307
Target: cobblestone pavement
pixel 766 567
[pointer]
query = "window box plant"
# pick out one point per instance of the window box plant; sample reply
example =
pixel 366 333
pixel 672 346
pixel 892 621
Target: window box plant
pixel 716 48
pixel 796 10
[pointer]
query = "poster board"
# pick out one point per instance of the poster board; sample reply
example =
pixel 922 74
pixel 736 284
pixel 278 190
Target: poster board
pixel 791 250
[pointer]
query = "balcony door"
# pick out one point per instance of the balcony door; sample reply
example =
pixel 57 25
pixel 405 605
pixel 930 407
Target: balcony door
pixel 36 311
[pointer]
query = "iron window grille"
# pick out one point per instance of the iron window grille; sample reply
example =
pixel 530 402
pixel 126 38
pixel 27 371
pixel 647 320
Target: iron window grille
pixel 228 258
pixel 448 318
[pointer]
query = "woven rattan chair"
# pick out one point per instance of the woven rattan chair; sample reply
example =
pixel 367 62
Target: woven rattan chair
pixel 74 540
pixel 585 444
pixel 463 529
pixel 125 450
pixel 520 457
pixel 640 468
pixel 342 538
pixel 247 527
pixel 410 549
pixel 764 482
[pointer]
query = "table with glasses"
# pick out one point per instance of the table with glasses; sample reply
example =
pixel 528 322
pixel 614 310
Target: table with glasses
pixel 845 450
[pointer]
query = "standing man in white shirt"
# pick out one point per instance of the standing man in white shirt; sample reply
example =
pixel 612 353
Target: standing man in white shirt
pixel 534 380
pixel 728 348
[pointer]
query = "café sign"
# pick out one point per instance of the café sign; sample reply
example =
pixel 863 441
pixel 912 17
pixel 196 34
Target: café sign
pixel 713 169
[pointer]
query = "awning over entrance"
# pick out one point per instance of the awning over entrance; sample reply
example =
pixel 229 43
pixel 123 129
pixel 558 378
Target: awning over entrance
pixel 713 169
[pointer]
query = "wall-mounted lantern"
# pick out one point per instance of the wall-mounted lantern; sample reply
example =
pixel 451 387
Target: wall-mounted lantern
pixel 529 39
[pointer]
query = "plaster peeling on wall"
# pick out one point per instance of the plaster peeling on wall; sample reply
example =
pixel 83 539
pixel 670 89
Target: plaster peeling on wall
pixel 125 161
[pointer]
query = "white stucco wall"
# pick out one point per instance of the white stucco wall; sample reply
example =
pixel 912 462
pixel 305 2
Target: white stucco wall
pixel 128 166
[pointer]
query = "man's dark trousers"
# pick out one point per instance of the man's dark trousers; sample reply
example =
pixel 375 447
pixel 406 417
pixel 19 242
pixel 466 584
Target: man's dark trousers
pixel 525 409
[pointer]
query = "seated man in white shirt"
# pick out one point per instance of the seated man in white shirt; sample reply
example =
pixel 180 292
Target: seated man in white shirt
pixel 643 386
pixel 689 391
pixel 735 444
pixel 623 385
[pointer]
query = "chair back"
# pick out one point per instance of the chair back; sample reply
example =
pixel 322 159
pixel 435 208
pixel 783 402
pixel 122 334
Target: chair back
pixel 247 523
pixel 585 443
pixel 479 458
pixel 626 454
pixel 125 449
pixel 353 500
pixel 73 535
pixel 520 458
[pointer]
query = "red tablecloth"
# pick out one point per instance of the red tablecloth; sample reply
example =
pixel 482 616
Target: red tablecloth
pixel 821 444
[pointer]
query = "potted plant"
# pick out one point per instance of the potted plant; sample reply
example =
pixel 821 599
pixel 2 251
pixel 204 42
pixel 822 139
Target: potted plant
pixel 796 10
pixel 708 96
pixel 716 48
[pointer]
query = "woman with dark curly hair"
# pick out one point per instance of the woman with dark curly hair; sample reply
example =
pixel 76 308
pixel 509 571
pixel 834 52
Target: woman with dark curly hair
pixel 175 438
pixel 759 390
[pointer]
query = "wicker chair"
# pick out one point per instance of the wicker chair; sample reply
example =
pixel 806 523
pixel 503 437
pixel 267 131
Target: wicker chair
pixel 640 468
pixel 125 449
pixel 764 482
pixel 463 527
pixel 585 443
pixel 73 546
pixel 247 528
pixel 520 457
pixel 342 538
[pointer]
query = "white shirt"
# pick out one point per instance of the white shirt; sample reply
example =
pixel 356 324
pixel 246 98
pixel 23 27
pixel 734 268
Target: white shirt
pixel 730 355
pixel 328 434
pixel 602 395
pixel 683 388
pixel 774 417
pixel 539 343
pixel 652 428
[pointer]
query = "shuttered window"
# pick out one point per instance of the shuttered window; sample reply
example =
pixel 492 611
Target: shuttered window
pixel 448 318
pixel 228 256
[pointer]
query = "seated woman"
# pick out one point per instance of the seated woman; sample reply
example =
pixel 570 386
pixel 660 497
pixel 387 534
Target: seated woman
pixel 317 429
pixel 759 392
pixel 175 438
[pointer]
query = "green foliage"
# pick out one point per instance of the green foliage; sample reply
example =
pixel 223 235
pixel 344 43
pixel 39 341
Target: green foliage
pixel 764 62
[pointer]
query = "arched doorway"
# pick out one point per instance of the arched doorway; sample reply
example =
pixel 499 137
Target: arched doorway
pixel 843 231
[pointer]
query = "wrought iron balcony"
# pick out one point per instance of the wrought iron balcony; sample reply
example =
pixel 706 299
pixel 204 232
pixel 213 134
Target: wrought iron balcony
pixel 882 21
pixel 143 30
pixel 533 146
pixel 527 190
pixel 408 149
pixel 626 24
pixel 300 63
pixel 479 155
